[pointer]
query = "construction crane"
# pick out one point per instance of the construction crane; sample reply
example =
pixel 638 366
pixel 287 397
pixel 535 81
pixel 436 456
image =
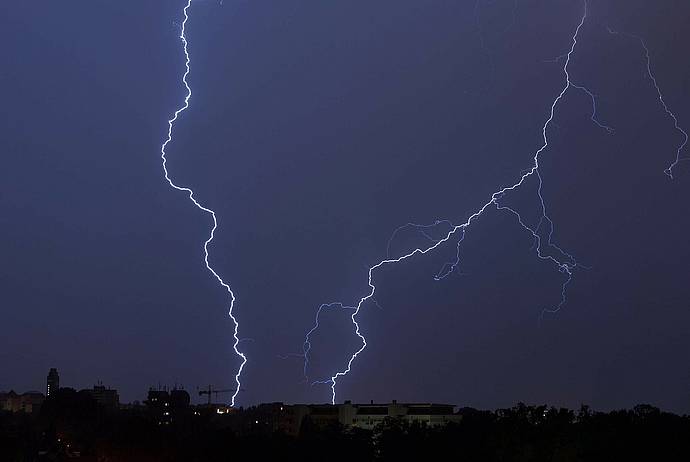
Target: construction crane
pixel 210 391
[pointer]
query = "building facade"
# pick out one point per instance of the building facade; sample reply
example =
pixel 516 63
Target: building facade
pixel 29 402
pixel 367 416
pixel 290 418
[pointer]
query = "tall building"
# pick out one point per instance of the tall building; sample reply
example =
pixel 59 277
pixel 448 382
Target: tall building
pixel 107 398
pixel 53 382
pixel 167 405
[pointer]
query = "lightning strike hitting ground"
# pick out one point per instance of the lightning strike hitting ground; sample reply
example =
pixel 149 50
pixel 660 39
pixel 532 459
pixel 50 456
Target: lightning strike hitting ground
pixel 563 261
pixel 542 232
pixel 189 191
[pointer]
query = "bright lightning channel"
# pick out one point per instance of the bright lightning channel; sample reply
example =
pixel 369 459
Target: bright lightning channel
pixel 189 191
pixel 564 262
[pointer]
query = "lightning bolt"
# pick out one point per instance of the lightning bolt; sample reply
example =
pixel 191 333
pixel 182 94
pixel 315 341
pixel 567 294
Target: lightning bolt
pixel 669 170
pixel 542 232
pixel 306 347
pixel 190 193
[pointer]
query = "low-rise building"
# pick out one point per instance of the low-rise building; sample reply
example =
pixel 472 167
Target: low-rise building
pixel 290 418
pixel 28 402
pixel 369 415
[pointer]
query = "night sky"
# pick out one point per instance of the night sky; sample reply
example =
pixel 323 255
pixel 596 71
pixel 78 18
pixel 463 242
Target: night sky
pixel 315 129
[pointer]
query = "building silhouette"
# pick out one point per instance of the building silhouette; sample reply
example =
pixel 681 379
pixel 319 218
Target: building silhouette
pixel 166 405
pixel 53 382
pixel 108 398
